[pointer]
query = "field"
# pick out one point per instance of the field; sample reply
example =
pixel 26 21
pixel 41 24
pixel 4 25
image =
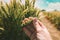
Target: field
pixel 11 16
pixel 54 17
pixel 55 33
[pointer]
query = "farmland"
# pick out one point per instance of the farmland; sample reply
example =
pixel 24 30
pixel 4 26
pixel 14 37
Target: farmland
pixel 12 14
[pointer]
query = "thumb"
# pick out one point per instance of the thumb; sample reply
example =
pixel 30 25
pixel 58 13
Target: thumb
pixel 36 25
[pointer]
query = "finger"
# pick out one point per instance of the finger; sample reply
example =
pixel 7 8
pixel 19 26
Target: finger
pixel 26 20
pixel 33 36
pixel 36 25
pixel 43 27
pixel 27 31
pixel 23 22
pixel 30 28
pixel 31 18
pixel 41 24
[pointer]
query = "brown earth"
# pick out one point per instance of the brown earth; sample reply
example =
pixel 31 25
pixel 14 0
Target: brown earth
pixel 55 34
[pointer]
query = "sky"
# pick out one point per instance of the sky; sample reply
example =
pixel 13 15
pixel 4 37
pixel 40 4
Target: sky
pixel 48 5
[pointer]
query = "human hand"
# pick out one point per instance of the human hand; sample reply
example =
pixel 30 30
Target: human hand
pixel 36 30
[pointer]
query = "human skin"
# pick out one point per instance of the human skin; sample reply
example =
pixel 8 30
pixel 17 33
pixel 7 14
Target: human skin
pixel 37 30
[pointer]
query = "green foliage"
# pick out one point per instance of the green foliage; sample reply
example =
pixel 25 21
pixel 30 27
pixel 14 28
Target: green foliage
pixel 11 16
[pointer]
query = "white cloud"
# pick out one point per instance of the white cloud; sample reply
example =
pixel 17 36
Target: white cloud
pixel 49 6
pixel 53 6
pixel 39 3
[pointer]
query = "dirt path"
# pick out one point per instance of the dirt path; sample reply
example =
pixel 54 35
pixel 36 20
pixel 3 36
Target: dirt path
pixel 51 28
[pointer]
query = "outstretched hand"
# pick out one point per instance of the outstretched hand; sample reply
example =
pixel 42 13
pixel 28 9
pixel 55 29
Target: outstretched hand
pixel 36 30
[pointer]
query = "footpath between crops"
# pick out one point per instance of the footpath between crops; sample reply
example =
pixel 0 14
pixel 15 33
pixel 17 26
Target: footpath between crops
pixel 51 28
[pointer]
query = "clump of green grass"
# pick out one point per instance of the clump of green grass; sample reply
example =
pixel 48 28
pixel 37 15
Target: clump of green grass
pixel 11 17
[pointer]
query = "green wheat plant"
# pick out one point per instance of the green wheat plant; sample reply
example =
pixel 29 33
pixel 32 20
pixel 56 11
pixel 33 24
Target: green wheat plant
pixel 11 17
